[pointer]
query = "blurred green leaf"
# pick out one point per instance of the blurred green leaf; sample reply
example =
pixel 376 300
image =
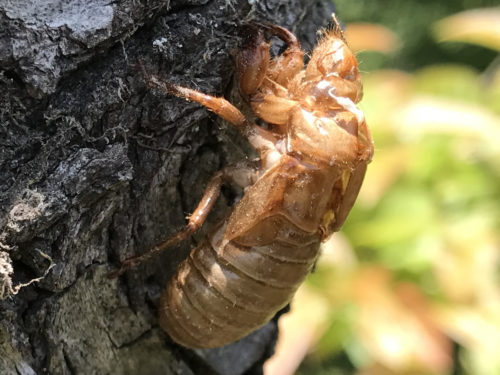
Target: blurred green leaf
pixel 429 211
pixel 477 26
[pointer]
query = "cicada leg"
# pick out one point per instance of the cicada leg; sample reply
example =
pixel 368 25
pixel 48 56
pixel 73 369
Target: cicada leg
pixel 261 140
pixel 241 174
pixel 263 81
pixel 254 65
pixel 283 69
pixel 252 61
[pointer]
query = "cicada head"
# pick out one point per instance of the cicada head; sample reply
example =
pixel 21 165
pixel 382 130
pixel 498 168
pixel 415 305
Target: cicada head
pixel 333 72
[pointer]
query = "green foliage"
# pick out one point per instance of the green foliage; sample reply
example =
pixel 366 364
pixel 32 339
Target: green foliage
pixel 426 225
pixel 411 20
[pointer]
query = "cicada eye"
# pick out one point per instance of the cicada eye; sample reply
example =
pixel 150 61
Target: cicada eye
pixel 349 68
pixel 340 62
pixel 328 63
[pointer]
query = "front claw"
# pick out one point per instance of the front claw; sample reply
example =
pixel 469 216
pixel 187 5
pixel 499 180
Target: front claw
pixel 252 61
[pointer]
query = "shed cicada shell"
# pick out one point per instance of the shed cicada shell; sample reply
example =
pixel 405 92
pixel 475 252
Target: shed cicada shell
pixel 313 155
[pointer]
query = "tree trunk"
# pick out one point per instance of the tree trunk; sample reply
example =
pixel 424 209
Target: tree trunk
pixel 96 167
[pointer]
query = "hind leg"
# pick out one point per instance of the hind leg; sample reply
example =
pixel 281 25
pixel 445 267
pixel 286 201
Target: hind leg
pixel 240 174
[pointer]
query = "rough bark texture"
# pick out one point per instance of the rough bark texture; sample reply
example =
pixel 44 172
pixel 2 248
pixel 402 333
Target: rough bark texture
pixel 96 167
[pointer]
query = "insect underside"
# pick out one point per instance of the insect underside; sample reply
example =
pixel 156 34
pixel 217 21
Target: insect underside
pixel 313 159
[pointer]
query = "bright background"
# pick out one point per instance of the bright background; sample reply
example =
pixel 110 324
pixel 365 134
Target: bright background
pixel 411 284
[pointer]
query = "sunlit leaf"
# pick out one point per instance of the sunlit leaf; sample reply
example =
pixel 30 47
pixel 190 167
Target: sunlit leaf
pixel 466 266
pixel 396 325
pixel 432 115
pixel 300 329
pixel 384 171
pixel 477 26
pixel 451 82
pixel 370 37
pixel 400 216
pixel 478 331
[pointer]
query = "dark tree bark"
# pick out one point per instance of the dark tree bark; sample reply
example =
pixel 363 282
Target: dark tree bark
pixel 96 167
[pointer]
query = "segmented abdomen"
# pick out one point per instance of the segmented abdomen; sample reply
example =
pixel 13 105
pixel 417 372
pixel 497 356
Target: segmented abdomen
pixel 224 291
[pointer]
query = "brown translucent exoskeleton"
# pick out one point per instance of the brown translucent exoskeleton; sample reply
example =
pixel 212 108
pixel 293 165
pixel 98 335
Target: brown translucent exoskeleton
pixel 313 160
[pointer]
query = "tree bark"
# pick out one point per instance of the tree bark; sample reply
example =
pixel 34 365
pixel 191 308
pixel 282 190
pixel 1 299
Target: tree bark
pixel 96 167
